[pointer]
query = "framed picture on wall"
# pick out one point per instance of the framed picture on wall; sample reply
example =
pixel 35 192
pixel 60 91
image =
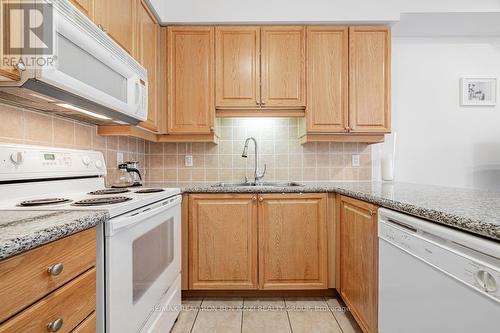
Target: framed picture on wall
pixel 478 91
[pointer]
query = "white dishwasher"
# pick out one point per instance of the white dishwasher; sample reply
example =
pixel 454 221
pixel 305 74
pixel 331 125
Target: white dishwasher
pixel 436 279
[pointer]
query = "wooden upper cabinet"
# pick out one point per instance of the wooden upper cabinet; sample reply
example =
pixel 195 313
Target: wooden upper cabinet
pixel 359 261
pixel 223 241
pixel 283 72
pixel 117 18
pixel 369 79
pixel 293 241
pixel 191 107
pixel 9 29
pixel 147 54
pixel 85 6
pixel 327 79
pixel 237 66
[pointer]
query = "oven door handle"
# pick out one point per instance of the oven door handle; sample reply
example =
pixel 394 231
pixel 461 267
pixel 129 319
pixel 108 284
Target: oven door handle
pixel 128 220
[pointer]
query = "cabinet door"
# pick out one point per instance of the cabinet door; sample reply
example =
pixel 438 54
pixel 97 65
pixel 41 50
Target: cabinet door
pixel 283 71
pixel 358 261
pixel 117 19
pixel 223 241
pixel 292 241
pixel 11 28
pixel 147 55
pixel 85 6
pixel 237 81
pixel 327 68
pixel 369 79
pixel 191 108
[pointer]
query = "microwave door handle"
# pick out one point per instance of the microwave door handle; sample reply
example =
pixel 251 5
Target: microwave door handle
pixel 137 93
pixel 129 220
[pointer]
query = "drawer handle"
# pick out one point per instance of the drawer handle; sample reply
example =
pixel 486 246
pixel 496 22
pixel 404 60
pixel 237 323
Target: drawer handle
pixel 55 269
pixel 55 325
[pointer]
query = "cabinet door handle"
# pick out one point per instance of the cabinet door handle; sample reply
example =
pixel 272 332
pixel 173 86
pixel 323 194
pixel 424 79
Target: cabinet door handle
pixel 55 269
pixel 254 198
pixel 55 325
pixel 261 199
pixel 262 103
pixel 347 128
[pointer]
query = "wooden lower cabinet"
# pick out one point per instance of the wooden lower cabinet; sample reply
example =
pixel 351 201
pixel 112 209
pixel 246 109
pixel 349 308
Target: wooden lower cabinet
pixel 293 241
pixel 223 241
pixel 290 230
pixel 359 261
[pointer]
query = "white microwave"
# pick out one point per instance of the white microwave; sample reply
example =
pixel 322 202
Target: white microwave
pixel 90 77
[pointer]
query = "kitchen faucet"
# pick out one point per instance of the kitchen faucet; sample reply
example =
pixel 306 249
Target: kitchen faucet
pixel 245 154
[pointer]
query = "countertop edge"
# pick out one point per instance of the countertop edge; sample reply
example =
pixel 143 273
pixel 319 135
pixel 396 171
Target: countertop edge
pixel 47 235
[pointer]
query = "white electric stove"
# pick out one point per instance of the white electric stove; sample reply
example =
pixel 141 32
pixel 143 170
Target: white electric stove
pixel 138 250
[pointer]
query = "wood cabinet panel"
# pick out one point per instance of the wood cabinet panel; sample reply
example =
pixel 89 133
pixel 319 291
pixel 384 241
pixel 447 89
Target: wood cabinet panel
pixel 147 54
pixel 293 241
pixel 191 108
pixel 85 6
pixel 369 79
pixel 237 66
pixel 24 278
pixel 327 79
pixel 359 261
pixel 117 18
pixel 87 326
pixel 72 303
pixel 223 241
pixel 283 66
pixel 10 33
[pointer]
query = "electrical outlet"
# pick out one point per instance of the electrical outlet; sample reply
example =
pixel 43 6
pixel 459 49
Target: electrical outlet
pixel 188 160
pixel 119 157
pixel 355 160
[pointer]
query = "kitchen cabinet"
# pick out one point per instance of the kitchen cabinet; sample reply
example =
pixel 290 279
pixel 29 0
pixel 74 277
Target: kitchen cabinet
pixel 223 241
pixel 7 71
pixel 85 6
pixel 147 53
pixel 260 68
pixel 369 79
pixel 53 281
pixel 293 241
pixel 191 107
pixel 327 76
pixel 283 66
pixel 237 66
pixel 359 261
pixel 251 241
pixel 117 19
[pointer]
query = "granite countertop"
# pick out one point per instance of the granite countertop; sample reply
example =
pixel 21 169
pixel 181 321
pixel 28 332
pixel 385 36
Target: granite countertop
pixel 22 230
pixel 474 211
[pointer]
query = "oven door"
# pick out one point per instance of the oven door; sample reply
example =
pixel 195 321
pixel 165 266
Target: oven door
pixel 142 256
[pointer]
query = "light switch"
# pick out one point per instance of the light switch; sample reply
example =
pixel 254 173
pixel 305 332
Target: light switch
pixel 119 157
pixel 355 160
pixel 188 160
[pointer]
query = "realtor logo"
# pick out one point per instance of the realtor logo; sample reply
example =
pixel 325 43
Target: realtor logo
pixel 28 27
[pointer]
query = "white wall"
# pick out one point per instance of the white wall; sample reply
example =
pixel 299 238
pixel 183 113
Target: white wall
pixel 209 11
pixel 439 142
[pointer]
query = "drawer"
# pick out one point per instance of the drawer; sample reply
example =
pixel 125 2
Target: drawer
pixel 24 278
pixel 72 303
pixel 87 326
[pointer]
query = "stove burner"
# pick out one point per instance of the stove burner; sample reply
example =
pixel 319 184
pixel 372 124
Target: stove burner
pixel 110 191
pixel 101 201
pixel 150 190
pixel 42 202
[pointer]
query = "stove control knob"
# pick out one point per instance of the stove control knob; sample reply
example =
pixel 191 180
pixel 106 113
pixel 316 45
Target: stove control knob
pixel 86 160
pixel 98 164
pixel 17 158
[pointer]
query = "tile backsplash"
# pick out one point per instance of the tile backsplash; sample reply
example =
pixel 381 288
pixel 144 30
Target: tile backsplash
pixel 279 149
pixel 33 128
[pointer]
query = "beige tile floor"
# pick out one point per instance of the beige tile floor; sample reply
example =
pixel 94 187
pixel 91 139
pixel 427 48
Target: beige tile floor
pixel 265 315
